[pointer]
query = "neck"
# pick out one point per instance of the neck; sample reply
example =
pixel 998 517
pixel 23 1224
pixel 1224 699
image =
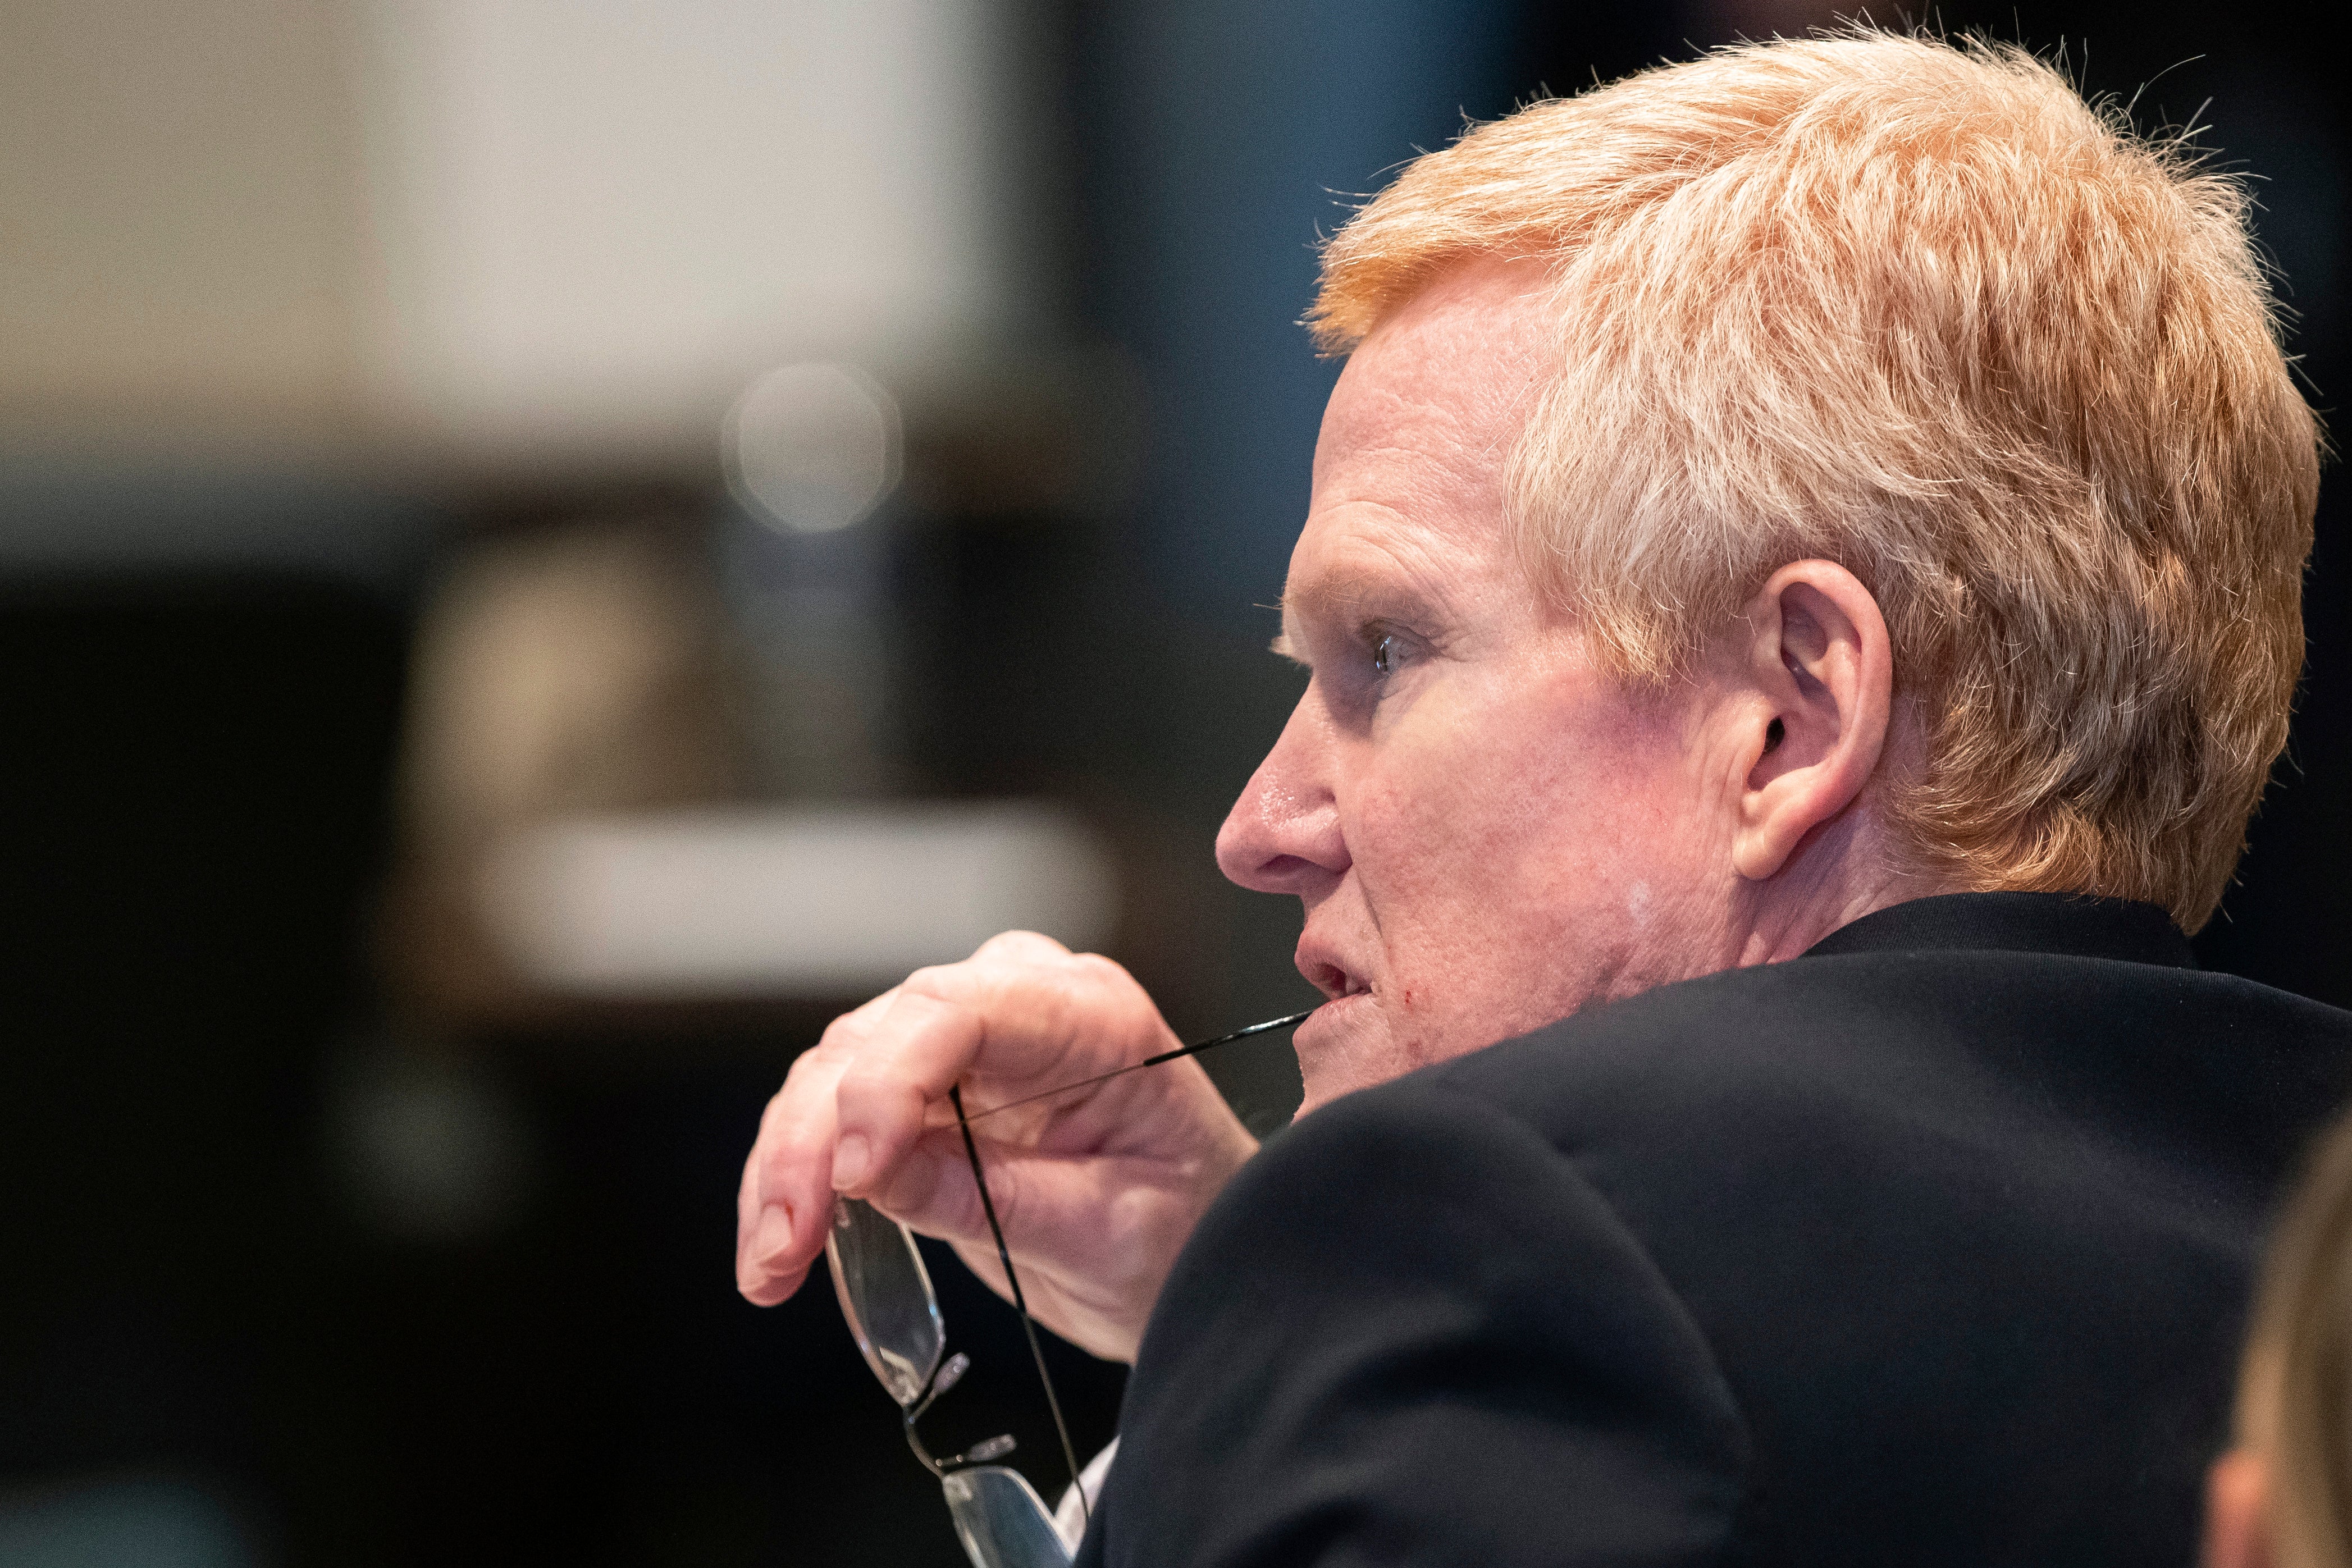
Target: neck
pixel 1839 874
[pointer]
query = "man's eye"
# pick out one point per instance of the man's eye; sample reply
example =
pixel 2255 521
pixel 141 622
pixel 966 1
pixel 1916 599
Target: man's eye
pixel 1384 653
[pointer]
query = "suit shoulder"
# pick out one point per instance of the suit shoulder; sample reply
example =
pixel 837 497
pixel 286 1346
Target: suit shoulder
pixel 1401 1321
pixel 1897 1037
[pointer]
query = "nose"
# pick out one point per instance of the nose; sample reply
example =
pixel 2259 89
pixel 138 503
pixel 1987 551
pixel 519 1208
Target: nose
pixel 1282 834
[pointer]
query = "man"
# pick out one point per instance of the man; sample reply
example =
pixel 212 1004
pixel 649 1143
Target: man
pixel 1835 501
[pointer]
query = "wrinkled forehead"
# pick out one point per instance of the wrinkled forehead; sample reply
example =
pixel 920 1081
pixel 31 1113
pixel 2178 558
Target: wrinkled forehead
pixel 1417 436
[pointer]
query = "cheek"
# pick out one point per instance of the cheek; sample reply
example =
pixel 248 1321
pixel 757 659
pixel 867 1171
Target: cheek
pixel 1479 800
pixel 1501 859
pixel 1473 835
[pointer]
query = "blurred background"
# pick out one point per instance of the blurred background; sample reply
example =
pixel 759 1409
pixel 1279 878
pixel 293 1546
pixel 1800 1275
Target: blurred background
pixel 549 546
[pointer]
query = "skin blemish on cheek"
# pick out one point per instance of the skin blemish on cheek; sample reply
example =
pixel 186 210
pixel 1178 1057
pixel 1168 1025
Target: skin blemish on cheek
pixel 1408 995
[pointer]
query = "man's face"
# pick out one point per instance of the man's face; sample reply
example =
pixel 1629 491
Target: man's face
pixel 1485 833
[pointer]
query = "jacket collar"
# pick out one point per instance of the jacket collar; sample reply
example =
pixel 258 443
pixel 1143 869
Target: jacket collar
pixel 2061 923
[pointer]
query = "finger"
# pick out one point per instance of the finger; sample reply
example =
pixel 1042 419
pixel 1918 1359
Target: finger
pixel 1051 1208
pixel 779 1228
pixel 1051 1014
pixel 786 1188
pixel 909 1055
pixel 1047 1202
pixel 1019 947
pixel 930 1189
pixel 920 1047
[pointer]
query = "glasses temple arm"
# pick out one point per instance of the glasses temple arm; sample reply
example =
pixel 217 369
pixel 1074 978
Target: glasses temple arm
pixel 1019 1302
pixel 1181 1051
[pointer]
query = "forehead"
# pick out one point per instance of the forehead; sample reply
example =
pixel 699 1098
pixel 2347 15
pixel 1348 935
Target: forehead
pixel 1409 468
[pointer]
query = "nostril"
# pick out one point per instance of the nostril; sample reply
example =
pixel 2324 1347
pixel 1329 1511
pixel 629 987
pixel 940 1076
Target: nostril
pixel 1288 857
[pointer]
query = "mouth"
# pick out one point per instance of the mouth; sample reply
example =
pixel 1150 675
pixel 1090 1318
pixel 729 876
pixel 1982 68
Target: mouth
pixel 1336 983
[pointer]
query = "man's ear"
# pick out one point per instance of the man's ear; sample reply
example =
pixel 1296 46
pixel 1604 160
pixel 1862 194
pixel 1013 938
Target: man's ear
pixel 1818 657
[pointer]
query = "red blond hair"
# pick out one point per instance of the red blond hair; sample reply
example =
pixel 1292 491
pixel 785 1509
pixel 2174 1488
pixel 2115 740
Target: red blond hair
pixel 1920 309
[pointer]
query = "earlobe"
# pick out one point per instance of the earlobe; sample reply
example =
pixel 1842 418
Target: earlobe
pixel 1819 672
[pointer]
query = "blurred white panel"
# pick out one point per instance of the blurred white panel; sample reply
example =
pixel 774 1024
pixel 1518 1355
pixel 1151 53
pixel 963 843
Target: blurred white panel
pixel 803 902
pixel 599 218
pixel 177 220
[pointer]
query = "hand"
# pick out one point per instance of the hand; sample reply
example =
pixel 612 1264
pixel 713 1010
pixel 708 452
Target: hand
pixel 1097 1190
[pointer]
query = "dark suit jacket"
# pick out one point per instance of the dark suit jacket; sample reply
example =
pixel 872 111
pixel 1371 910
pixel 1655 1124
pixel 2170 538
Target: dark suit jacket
pixel 1930 1247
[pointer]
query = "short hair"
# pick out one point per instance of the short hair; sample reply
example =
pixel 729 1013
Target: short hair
pixel 1917 307
pixel 2294 1390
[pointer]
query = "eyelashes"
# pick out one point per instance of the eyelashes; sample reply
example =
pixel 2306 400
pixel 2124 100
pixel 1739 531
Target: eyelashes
pixel 1362 658
pixel 1389 649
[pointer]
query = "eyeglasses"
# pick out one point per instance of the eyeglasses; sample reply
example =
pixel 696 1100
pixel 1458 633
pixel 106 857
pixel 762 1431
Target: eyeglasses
pixel 894 1314
pixel 885 1294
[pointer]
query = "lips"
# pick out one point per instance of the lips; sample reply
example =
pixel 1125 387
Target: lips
pixel 1334 981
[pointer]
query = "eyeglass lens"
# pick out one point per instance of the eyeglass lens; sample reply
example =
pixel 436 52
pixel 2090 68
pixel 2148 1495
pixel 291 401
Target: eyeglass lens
pixel 1002 1521
pixel 885 1294
pixel 887 1297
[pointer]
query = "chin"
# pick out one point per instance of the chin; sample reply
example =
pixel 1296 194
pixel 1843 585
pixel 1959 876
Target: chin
pixel 1347 1046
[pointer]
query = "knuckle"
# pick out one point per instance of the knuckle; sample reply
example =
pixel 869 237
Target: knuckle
pixel 930 981
pixel 868 1094
pixel 809 1073
pixel 1022 945
pixel 842 1037
pixel 856 1086
pixel 845 1034
pixel 1105 971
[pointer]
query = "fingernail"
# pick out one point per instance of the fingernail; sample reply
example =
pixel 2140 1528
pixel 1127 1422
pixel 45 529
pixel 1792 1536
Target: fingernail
pixel 850 1158
pixel 773 1235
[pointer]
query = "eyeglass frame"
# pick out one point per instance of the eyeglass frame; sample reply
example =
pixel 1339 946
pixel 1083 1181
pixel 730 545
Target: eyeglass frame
pixel 944 1372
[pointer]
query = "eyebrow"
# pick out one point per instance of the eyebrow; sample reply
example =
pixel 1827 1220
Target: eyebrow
pixel 1341 595
pixel 1335 592
pixel 1324 594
